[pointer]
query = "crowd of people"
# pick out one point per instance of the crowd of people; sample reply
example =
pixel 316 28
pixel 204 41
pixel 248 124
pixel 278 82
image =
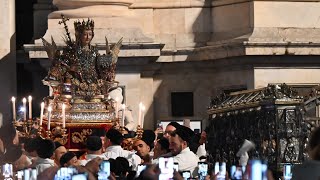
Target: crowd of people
pixel 125 154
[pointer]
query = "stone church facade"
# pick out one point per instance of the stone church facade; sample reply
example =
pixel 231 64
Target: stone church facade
pixel 191 49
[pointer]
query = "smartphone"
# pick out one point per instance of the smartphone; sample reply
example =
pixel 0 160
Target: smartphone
pixel 287 172
pixel 82 176
pixel 34 174
pixel 216 168
pixel 220 170
pixel 233 170
pixel 176 166
pixel 19 175
pixel 65 173
pixel 264 171
pixel 236 172
pixel 160 126
pixel 141 167
pixel 186 175
pixel 26 174
pixel 104 171
pixel 166 168
pixel 256 170
pixel 202 170
pixel 7 171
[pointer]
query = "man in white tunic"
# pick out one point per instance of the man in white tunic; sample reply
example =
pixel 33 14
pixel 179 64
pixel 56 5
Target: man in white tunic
pixel 45 152
pixel 94 149
pixel 186 159
pixel 114 150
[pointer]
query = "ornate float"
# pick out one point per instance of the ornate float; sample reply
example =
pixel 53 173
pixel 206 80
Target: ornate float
pixel 80 81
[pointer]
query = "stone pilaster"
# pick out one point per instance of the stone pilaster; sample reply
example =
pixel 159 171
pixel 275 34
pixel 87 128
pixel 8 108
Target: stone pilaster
pixel 7 58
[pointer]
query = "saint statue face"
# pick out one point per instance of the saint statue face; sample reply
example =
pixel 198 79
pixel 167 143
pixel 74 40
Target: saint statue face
pixel 86 37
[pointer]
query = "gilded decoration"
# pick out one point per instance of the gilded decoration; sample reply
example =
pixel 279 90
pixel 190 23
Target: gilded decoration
pixel 81 137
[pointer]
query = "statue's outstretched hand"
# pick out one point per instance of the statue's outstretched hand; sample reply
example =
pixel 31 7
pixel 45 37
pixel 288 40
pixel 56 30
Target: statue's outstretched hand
pixel 115 51
pixel 51 49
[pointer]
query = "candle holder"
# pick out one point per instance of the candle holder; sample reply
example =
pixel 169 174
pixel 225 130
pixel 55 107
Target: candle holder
pixel 139 132
pixel 27 127
pixel 40 129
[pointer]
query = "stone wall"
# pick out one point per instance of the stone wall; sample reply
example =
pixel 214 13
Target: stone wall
pixel 295 76
pixel 204 80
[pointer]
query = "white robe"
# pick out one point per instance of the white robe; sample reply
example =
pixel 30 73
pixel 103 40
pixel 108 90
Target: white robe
pixel 117 151
pixel 187 161
pixel 89 157
pixel 42 164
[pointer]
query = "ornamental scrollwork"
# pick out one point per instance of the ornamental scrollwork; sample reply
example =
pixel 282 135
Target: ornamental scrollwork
pixel 81 137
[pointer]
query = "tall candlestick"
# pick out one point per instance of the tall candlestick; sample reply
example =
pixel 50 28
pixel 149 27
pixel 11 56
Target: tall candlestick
pixel 13 99
pixel 117 107
pixel 41 113
pixel 24 101
pixel 143 108
pixel 30 106
pixel 123 107
pixel 140 110
pixel 49 118
pixel 63 115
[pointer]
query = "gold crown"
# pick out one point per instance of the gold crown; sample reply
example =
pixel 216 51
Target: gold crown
pixel 84 25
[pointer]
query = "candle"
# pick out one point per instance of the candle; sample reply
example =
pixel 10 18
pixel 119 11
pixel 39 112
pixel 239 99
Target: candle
pixel 143 108
pixel 63 115
pixel 139 117
pixel 24 101
pixel 123 106
pixel 117 108
pixel 30 106
pixel 41 113
pixel 49 118
pixel 13 99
